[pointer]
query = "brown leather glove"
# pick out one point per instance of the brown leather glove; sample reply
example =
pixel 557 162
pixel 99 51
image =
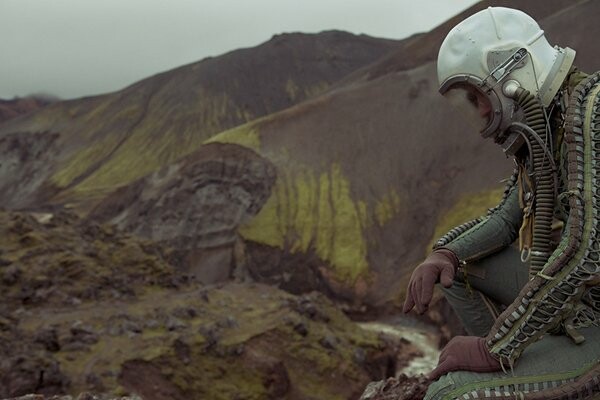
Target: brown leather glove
pixel 439 266
pixel 467 353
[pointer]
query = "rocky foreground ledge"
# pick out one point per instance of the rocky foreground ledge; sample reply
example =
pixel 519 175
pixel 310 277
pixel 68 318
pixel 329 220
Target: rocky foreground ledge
pixel 86 309
pixel 402 387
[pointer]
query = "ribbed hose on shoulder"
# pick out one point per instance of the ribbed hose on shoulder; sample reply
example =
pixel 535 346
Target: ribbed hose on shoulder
pixel 544 181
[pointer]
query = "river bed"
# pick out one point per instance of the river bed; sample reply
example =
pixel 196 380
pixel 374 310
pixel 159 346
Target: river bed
pixel 423 337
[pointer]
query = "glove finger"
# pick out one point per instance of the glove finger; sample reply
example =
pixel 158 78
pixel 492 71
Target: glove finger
pixel 447 277
pixel 436 372
pixel 417 296
pixel 442 369
pixel 411 295
pixel 443 356
pixel 409 303
pixel 427 290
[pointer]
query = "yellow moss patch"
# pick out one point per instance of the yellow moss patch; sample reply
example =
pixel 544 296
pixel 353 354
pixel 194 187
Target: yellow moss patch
pixel 244 135
pixel 387 207
pixel 316 89
pixel 109 354
pixel 468 207
pixel 139 157
pixel 164 133
pixel 291 89
pixel 84 159
pixel 307 210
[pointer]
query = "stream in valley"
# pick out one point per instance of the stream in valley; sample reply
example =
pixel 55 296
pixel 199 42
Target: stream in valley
pixel 423 337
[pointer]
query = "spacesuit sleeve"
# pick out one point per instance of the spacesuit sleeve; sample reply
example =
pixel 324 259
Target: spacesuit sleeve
pixel 488 234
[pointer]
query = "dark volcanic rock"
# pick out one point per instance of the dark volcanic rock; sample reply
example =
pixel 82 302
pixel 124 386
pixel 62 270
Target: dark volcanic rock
pixel 147 379
pixel 401 388
pixel 26 368
pixel 63 261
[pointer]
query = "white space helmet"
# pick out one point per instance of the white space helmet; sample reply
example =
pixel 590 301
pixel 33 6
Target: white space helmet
pixel 489 55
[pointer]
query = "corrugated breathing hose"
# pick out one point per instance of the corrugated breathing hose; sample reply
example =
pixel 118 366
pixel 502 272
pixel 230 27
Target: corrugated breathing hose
pixel 544 178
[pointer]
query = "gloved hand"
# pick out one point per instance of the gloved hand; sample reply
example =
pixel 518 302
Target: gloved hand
pixel 439 266
pixel 467 353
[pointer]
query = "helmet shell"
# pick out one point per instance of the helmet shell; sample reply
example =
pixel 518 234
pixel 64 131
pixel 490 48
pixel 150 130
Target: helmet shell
pixel 474 46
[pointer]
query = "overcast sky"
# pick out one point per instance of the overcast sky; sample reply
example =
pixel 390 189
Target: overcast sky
pixel 73 48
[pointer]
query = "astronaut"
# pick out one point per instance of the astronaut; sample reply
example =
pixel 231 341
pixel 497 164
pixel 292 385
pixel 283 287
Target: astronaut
pixel 526 95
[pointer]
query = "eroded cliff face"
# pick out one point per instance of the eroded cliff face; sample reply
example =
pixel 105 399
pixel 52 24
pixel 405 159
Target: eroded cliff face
pixel 196 206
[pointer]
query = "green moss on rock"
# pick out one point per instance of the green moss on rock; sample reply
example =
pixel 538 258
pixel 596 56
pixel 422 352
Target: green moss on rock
pixel 236 341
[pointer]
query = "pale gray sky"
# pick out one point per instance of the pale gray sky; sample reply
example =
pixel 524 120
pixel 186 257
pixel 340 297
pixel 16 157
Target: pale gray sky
pixel 73 48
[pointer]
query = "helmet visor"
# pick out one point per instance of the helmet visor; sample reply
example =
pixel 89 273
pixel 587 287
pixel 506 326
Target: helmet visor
pixel 474 105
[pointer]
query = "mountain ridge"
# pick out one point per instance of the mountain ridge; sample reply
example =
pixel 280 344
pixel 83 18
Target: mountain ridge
pixel 159 119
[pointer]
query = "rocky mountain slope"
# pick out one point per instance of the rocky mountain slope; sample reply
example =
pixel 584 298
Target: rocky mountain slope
pixel 88 146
